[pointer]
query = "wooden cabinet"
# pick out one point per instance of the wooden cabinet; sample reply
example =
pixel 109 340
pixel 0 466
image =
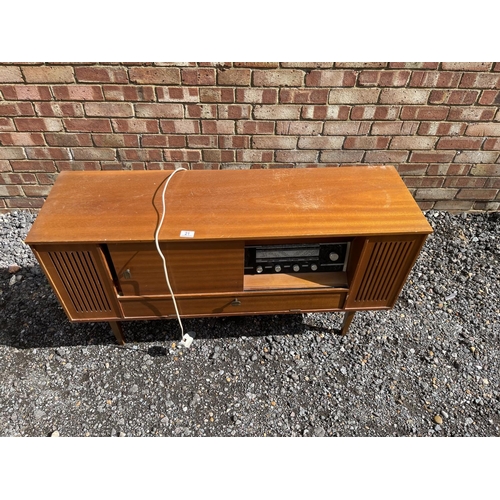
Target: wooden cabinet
pixel 94 239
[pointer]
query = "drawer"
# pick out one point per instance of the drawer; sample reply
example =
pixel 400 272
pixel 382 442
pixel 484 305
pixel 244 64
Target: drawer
pixel 228 305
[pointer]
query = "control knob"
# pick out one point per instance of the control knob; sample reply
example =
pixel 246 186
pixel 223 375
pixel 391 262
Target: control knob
pixel 334 256
pixel 277 268
pixel 314 267
pixel 296 267
pixel 259 269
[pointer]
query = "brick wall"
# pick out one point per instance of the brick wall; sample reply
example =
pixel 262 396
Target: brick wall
pixel 438 123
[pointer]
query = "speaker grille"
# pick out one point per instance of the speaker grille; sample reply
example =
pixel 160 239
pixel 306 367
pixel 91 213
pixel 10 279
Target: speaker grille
pixel 380 278
pixel 82 283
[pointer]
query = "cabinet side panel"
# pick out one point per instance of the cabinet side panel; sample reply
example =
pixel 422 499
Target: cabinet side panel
pixel 80 282
pixel 383 268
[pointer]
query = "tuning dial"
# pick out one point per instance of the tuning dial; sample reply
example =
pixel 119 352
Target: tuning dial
pixel 259 269
pixel 296 267
pixel 277 268
pixel 314 267
pixel 334 256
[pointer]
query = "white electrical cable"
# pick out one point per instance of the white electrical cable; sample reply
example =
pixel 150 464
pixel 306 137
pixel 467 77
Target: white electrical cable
pixel 160 252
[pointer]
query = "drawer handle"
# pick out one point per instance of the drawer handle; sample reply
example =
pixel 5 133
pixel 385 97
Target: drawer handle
pixel 236 302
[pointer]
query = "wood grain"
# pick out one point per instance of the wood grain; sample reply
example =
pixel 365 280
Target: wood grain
pixel 228 205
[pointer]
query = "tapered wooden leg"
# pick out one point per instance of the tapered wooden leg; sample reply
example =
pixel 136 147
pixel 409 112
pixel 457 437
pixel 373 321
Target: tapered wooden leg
pixel 116 326
pixel 347 321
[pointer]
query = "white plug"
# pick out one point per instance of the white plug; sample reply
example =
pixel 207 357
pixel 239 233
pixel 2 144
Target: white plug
pixel 187 339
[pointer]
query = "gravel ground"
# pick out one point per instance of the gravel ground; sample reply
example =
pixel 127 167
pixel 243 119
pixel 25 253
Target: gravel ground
pixel 429 367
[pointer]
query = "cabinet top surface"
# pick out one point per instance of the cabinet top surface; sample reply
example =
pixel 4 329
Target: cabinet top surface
pixel 126 206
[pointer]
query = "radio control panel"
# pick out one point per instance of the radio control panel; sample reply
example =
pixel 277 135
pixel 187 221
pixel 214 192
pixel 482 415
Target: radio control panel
pixel 296 258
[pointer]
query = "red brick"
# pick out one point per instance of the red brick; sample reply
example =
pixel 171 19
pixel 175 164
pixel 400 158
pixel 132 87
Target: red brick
pixel 201 111
pixel 256 64
pixel 341 156
pixel 87 124
pixel 300 128
pixel 459 143
pixel 480 81
pixel 306 64
pixel 414 65
pixel 331 142
pixel 10 74
pixel 78 93
pixel 101 74
pixel 38 124
pixel 412 169
pixel 6 124
pixel 424 112
pixel 44 178
pixel 493 183
pixel 476 156
pixel 234 111
pixel 217 126
pixel 278 78
pixel 16 109
pixel 140 154
pixel 281 112
pixel 482 129
pixel 166 141
pixel 432 156
pixel 487 205
pixel 353 96
pixel 404 96
pixel 257 96
pixel 182 155
pixel 60 109
pixel 156 110
pixel 159 76
pixel 215 94
pixel 430 182
pixel 361 65
pixel 34 191
pixel 79 165
pixel 377 157
pixel 33 166
pixel 116 140
pixel 471 114
pixel 467 66
pixel 489 97
pixel 201 141
pixel 254 155
pixel 68 140
pixel 5 166
pixel 436 194
pixel 319 96
pixel 444 169
pixel 331 78
pixel 413 142
pixel 25 92
pixel 128 93
pixel 370 78
pixel 296 156
pixel 167 165
pixel 180 126
pixel 477 194
pixel 238 77
pixel 208 166
pixel 255 127
pixel 492 145
pixel 375 112
pixel 178 94
pixel 48 74
pixel 393 128
pixel 18 179
pixel 454 97
pixel 268 142
pixel 21 139
pixel 218 155
pixel 197 76
pixel 12 153
pixel 48 153
pixel 436 128
pixel 496 67
pixel 96 154
pixel 136 126
pixel 107 109
pixel 462 206
pixel 325 112
pixel 366 142
pixel 434 79
pixel 25 203
pixel 234 141
pixel 468 182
